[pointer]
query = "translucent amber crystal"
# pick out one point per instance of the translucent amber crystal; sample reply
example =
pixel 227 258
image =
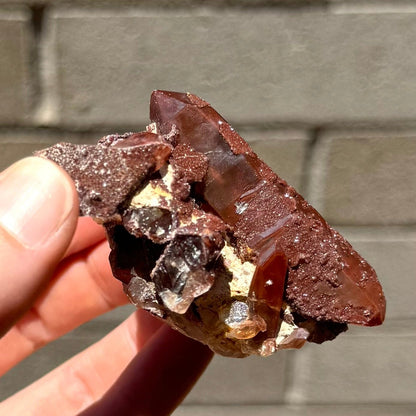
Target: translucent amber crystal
pixel 243 323
pixel 267 287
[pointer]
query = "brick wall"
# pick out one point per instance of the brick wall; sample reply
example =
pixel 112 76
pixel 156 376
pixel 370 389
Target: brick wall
pixel 325 91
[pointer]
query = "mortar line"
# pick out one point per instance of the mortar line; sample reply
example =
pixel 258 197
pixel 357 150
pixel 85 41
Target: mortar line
pixel 36 26
pixel 305 183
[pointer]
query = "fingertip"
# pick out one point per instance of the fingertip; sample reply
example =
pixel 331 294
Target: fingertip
pixel 38 201
pixel 60 175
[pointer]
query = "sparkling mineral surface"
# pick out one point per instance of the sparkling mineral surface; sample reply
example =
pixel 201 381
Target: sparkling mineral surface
pixel 205 236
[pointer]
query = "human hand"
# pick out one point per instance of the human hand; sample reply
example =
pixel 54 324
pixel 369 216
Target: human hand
pixel 54 277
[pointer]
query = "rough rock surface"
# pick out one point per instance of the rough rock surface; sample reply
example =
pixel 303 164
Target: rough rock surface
pixel 204 235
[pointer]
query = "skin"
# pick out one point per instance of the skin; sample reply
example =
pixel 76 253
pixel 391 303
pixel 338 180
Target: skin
pixel 54 277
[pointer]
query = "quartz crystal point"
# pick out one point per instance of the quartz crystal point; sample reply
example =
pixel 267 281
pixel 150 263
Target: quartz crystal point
pixel 326 279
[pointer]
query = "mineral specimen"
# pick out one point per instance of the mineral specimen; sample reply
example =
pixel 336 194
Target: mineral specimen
pixel 204 235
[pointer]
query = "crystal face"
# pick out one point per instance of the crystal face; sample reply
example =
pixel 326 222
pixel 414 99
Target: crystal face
pixel 180 275
pixel 261 206
pixel 153 222
pixel 243 323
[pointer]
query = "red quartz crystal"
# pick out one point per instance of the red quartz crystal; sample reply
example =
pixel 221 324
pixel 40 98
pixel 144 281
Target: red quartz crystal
pixel 171 197
pixel 268 281
pixel 326 279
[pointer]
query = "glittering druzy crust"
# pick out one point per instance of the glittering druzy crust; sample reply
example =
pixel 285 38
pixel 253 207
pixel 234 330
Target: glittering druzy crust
pixel 326 279
pixel 92 168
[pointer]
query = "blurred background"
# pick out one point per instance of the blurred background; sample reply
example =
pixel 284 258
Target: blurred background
pixel 325 92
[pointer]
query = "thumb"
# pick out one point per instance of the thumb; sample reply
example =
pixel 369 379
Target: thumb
pixel 38 215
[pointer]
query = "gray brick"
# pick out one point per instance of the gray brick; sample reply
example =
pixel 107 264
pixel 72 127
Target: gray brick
pixel 366 365
pixel 369 365
pixel 355 410
pixel 16 144
pixel 14 66
pixel 178 3
pixel 283 150
pixel 372 6
pixel 15 148
pixel 249 380
pixel 392 254
pixel 365 178
pixel 276 64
